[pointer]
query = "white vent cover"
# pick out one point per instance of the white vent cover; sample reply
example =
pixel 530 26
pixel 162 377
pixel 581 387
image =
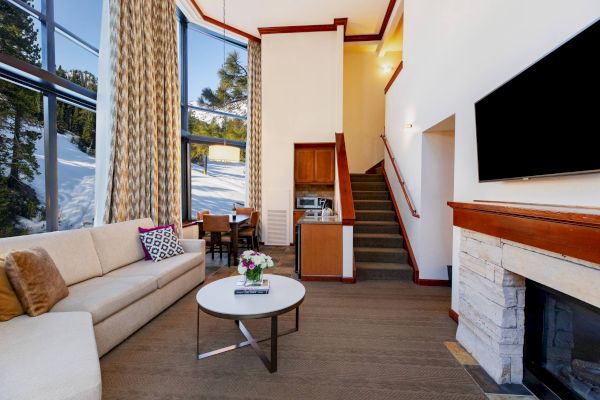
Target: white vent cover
pixel 277 227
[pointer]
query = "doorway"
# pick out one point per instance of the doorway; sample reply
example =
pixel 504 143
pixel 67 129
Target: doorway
pixel 437 188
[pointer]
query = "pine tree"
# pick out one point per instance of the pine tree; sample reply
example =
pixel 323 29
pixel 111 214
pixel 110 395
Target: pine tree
pixel 19 123
pixel 233 86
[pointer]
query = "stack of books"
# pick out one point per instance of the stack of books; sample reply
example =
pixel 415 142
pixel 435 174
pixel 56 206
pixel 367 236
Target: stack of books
pixel 240 288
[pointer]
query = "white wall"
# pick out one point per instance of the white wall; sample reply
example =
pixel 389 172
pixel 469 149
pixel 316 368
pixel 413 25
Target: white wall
pixel 301 102
pixel 455 52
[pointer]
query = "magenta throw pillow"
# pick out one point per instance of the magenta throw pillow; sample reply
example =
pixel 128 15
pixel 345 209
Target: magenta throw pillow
pixel 147 255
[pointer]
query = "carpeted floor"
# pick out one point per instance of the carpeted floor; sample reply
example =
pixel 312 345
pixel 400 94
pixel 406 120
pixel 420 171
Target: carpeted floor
pixel 371 340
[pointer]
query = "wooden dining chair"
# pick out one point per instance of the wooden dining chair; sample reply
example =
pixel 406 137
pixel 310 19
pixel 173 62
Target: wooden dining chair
pixel 249 234
pixel 244 210
pixel 200 214
pixel 217 229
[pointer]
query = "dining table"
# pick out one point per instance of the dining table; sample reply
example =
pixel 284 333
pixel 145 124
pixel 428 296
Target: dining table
pixel 235 222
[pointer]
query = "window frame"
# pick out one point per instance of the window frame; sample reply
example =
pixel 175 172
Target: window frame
pixel 187 138
pixel 52 87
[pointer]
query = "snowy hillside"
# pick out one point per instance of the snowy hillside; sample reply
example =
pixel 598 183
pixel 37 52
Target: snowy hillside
pixel 76 171
pixel 216 192
pixel 224 184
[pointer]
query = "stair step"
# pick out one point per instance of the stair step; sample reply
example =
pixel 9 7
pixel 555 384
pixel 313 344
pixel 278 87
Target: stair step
pixel 370 186
pixel 378 240
pixel 383 271
pixel 380 254
pixel 366 178
pixel 373 205
pixel 376 227
pixel 375 215
pixel 370 195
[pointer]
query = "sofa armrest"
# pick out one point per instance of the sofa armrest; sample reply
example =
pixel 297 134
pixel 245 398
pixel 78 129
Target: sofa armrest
pixel 193 245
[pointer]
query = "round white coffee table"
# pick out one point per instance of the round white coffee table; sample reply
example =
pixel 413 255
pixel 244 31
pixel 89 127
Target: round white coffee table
pixel 218 299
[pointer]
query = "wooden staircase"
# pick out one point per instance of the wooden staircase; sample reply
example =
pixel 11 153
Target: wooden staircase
pixel 378 244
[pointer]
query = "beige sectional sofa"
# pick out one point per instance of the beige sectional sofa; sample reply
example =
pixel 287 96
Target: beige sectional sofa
pixel 113 292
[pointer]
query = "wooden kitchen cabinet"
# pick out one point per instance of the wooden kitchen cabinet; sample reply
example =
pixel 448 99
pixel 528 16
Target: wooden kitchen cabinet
pixel 324 168
pixel 314 165
pixel 305 165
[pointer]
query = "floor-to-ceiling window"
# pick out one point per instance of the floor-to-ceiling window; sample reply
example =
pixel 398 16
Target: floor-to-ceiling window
pixel 214 83
pixel 48 82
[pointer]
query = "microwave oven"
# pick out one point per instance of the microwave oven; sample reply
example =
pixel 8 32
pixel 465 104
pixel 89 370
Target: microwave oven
pixel 307 202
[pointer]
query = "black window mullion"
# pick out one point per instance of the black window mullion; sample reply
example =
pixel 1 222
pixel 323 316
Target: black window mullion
pixel 186 167
pixel 50 138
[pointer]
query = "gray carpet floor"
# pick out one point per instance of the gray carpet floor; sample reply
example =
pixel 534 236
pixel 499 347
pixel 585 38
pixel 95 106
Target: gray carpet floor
pixel 371 340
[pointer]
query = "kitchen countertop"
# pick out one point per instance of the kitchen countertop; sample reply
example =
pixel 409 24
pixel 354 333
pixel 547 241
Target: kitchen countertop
pixel 332 220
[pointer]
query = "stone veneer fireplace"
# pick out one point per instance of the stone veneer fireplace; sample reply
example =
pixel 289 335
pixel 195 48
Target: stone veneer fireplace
pixel 525 306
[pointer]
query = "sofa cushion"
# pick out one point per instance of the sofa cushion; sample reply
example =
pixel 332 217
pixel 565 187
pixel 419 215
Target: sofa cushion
pixel 105 296
pixel 10 306
pixel 49 357
pixel 36 280
pixel 73 252
pixel 164 271
pixel 119 244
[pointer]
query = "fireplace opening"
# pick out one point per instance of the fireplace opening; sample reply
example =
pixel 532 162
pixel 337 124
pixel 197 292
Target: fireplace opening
pixel 562 343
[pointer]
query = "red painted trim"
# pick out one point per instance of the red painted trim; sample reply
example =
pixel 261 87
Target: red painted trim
pixel 373 169
pixel 341 21
pixel 305 28
pixel 453 314
pixel 220 24
pixel 296 29
pixel 412 261
pixel 345 183
pixel 376 36
pixel 316 144
pixel 434 282
pixel 393 78
pixel 362 38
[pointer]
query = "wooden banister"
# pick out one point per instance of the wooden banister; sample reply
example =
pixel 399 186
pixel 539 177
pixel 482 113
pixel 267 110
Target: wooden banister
pixel 346 200
pixel 412 209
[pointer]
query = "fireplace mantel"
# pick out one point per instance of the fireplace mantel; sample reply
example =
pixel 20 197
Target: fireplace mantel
pixel 573 232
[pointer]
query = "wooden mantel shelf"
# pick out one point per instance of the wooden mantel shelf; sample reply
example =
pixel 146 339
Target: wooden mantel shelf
pixel 573 232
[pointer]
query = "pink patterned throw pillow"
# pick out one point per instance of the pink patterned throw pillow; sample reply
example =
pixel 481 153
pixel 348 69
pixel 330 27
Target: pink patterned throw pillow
pixel 147 255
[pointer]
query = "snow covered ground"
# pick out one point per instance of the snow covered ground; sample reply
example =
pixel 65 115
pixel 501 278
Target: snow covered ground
pixel 216 192
pixel 224 184
pixel 76 174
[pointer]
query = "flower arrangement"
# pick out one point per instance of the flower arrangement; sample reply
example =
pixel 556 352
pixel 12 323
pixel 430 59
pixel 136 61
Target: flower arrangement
pixel 252 264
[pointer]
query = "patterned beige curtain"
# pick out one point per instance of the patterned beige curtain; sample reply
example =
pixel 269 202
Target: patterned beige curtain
pixel 253 146
pixel 144 177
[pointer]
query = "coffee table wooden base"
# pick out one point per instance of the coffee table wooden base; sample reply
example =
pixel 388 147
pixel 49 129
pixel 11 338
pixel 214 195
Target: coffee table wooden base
pixel 271 364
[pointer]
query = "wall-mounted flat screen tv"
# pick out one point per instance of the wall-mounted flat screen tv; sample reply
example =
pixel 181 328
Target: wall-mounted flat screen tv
pixel 546 120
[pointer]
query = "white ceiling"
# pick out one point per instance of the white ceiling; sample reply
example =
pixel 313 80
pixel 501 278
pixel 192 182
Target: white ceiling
pixel 364 16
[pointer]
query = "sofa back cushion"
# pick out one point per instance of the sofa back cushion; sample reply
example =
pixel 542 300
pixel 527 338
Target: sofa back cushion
pixel 73 252
pixel 119 244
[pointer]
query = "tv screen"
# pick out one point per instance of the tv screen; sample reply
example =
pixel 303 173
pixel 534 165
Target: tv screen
pixel 546 120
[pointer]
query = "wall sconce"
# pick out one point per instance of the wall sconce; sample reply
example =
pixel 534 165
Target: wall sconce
pixel 408 125
pixel 387 68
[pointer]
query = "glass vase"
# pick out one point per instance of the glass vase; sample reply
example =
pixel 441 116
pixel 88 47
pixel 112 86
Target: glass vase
pixel 254 277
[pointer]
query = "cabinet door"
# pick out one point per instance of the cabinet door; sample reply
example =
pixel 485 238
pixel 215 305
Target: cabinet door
pixel 324 168
pixel 305 165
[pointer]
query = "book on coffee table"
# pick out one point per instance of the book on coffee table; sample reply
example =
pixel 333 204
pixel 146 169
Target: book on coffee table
pixel 257 289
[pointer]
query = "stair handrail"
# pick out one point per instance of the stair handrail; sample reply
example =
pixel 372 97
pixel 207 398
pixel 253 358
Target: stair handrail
pixel 345 185
pixel 412 209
